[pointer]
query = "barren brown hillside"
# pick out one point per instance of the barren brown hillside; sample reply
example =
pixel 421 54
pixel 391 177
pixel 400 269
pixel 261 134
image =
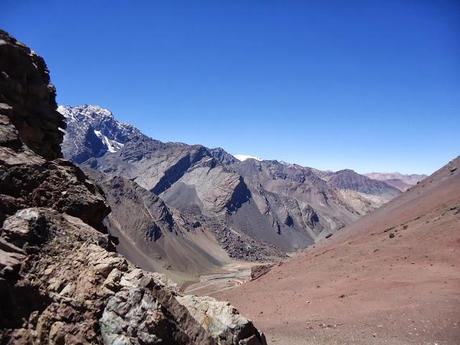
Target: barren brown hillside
pixel 392 277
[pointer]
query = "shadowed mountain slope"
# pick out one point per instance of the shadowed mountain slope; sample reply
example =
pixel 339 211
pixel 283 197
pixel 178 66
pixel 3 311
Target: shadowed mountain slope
pixel 156 237
pixel 350 180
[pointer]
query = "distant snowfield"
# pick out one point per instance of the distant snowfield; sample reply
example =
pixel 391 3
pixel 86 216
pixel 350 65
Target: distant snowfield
pixel 241 157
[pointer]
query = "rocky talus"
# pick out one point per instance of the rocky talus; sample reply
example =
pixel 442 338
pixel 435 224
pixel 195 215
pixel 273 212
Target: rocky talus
pixel 60 280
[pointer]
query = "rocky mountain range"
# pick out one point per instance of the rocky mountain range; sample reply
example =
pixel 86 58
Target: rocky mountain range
pixel 398 180
pixel 61 282
pixel 254 209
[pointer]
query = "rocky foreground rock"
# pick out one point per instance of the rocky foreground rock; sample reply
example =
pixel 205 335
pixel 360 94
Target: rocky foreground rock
pixel 60 281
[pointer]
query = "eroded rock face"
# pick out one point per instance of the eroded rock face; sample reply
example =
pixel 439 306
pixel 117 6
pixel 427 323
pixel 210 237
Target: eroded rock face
pixel 28 100
pixel 54 287
pixel 60 281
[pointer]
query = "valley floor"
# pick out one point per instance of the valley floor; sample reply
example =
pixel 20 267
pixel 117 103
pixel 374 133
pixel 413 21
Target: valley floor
pixel 232 275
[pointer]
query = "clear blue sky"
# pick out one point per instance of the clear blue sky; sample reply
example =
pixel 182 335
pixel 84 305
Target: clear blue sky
pixel 367 85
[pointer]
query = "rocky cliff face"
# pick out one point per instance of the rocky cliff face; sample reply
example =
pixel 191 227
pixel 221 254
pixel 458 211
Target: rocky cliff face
pixel 27 98
pixel 60 281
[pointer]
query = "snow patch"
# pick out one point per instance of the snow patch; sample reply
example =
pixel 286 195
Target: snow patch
pixel 242 157
pixel 112 145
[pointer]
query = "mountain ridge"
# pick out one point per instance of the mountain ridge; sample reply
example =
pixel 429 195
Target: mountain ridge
pixel 273 205
pixel 401 181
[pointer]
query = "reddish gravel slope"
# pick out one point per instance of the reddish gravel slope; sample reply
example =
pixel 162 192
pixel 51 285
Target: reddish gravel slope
pixel 393 277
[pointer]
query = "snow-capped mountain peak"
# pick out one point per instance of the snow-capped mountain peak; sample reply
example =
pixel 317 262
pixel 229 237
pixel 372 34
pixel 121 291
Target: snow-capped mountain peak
pixel 92 131
pixel 82 111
